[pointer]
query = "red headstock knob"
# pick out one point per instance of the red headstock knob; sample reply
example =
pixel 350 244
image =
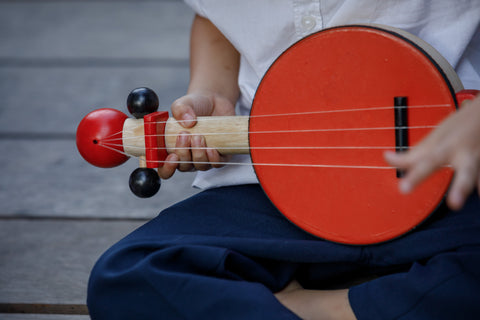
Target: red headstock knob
pixel 99 138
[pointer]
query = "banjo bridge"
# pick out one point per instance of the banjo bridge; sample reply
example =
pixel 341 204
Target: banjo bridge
pixel 401 127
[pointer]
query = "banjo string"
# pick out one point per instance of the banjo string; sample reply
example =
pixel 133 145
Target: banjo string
pixel 304 165
pixel 119 139
pixel 205 119
pixel 329 111
pixel 114 143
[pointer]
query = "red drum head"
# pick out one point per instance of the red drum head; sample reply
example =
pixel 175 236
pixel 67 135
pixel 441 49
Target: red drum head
pixel 322 118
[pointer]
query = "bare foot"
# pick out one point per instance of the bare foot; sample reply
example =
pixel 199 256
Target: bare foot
pixel 316 304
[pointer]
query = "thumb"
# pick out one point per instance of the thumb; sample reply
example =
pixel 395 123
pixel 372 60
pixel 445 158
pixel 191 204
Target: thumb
pixel 183 112
pixel 187 108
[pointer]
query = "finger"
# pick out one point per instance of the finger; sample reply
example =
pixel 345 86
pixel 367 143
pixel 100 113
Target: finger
pixel 417 163
pixel 182 149
pixel 216 159
pixel 462 185
pixel 199 154
pixel 401 161
pixel 169 166
pixel 416 173
pixel 182 111
pixel 398 160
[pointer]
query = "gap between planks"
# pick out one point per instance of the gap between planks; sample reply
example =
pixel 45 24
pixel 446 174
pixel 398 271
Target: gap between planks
pixel 42 308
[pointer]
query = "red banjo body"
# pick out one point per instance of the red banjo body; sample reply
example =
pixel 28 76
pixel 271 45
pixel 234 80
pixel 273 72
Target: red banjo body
pixel 321 120
pixel 347 193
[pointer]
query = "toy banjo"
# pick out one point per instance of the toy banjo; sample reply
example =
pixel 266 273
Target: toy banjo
pixel 322 117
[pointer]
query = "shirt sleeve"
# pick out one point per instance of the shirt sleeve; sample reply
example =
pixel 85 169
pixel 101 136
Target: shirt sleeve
pixel 196 6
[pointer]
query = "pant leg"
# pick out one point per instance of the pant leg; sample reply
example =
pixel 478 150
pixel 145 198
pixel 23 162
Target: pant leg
pixel 218 255
pixel 222 253
pixel 443 281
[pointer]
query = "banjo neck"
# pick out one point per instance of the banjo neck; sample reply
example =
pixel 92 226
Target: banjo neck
pixel 226 134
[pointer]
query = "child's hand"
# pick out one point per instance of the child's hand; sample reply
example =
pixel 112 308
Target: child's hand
pixel 191 148
pixel 213 91
pixel 456 142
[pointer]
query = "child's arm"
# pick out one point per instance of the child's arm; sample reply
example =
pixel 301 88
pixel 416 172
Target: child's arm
pixel 213 91
pixel 455 142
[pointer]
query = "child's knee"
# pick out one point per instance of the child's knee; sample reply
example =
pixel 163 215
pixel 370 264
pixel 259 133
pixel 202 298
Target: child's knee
pixel 115 283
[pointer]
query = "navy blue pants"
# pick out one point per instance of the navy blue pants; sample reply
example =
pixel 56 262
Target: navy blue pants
pixel 221 254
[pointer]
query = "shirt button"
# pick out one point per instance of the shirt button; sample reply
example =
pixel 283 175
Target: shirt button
pixel 308 23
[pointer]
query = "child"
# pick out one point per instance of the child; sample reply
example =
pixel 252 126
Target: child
pixel 227 253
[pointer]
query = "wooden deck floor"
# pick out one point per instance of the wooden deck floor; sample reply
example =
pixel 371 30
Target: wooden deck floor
pixel 58 61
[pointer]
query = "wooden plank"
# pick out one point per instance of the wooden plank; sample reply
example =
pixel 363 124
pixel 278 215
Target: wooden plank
pixel 58 61
pixel 42 308
pixel 49 178
pixel 24 316
pixel 101 51
pixel 42 105
pixel 45 264
pixel 75 29
pixel 54 100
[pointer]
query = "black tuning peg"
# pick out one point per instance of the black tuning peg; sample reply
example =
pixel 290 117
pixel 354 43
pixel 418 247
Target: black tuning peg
pixel 144 182
pixel 142 101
